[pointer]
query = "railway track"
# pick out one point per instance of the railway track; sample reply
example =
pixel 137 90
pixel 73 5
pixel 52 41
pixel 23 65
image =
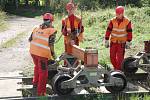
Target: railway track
pixel 137 85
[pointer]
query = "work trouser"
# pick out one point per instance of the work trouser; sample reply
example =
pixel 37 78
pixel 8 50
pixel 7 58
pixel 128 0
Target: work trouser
pixel 117 51
pixel 40 74
pixel 69 50
pixel 67 45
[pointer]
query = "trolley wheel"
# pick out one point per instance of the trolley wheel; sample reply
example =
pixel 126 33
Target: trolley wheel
pixel 116 88
pixel 57 85
pixel 146 61
pixel 129 66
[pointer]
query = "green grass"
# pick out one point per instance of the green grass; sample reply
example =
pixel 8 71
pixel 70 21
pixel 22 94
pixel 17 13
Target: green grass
pixel 95 26
pixel 146 97
pixel 28 70
pixel 138 97
pixel 3 25
pixel 13 41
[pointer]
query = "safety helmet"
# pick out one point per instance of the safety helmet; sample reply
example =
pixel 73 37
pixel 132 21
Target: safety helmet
pixel 48 16
pixel 119 10
pixel 70 6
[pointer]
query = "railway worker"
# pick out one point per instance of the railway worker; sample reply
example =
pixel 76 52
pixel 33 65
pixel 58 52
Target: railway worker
pixel 72 28
pixel 42 50
pixel 118 37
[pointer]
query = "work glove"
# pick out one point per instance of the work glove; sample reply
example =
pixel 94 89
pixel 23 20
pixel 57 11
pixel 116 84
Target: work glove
pixel 127 45
pixel 72 42
pixel 76 32
pixel 68 30
pixel 107 43
pixel 50 62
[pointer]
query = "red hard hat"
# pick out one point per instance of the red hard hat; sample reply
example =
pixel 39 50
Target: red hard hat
pixel 70 6
pixel 48 16
pixel 120 10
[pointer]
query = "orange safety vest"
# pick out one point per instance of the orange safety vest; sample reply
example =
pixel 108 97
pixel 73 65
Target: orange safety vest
pixel 119 32
pixel 39 45
pixel 68 27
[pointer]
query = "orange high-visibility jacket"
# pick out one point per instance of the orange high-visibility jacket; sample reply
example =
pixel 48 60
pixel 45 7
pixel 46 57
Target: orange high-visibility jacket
pixel 77 20
pixel 40 42
pixel 119 32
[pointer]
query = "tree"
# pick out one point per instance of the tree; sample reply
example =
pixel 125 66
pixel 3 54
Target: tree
pixel 26 3
pixel 47 3
pixel 2 4
pixel 37 3
pixel 16 3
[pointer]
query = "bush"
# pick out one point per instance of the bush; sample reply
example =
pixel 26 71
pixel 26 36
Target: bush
pixel 147 12
pixel 2 21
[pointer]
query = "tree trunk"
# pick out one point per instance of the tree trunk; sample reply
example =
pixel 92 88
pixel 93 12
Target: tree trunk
pixel 16 4
pixel 37 3
pixel 2 4
pixel 26 3
pixel 47 3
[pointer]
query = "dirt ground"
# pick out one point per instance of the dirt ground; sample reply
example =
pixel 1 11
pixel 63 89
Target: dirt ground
pixel 15 58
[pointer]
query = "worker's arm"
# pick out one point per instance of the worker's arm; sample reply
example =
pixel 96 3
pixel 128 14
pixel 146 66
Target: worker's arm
pixel 52 51
pixel 51 44
pixel 108 31
pixel 64 30
pixel 129 31
pixel 80 27
pixel 30 38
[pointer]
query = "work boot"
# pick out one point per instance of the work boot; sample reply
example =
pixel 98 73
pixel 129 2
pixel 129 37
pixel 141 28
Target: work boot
pixel 34 85
pixel 34 92
pixel 42 94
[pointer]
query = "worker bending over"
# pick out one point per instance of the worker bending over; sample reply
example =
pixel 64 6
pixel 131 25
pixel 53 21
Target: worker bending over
pixel 42 50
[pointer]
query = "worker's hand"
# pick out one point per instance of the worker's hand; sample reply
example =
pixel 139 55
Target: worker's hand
pixel 107 43
pixel 128 45
pixel 68 30
pixel 72 42
pixel 76 32
pixel 50 62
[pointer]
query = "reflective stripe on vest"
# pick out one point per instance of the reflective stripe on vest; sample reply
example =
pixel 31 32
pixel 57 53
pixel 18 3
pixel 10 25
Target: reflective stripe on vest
pixel 119 30
pixel 40 45
pixel 40 37
pixel 118 35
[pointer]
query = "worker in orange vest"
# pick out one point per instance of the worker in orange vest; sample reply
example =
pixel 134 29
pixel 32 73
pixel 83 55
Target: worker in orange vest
pixel 119 32
pixel 72 27
pixel 42 50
